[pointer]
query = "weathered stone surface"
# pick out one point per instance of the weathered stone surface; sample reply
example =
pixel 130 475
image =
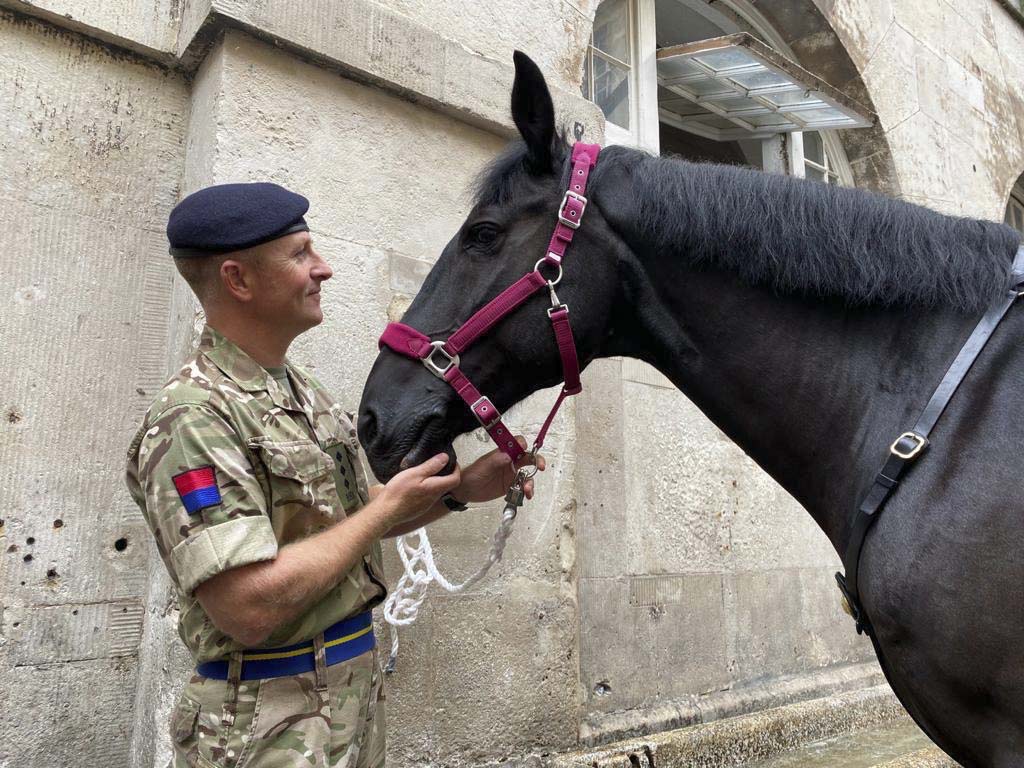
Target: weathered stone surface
pixel 90 157
pixel 147 26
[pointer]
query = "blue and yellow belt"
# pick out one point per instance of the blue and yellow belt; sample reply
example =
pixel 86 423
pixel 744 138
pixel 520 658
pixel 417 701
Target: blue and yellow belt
pixel 342 641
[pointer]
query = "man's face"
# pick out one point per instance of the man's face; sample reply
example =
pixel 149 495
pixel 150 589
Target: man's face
pixel 287 284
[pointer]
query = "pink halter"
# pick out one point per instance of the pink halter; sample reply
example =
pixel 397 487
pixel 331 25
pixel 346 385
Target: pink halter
pixel 411 343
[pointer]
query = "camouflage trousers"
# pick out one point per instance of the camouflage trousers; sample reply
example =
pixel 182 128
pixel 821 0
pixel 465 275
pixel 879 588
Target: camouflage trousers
pixel 284 722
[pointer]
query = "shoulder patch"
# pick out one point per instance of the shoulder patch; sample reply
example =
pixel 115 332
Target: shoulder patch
pixel 198 489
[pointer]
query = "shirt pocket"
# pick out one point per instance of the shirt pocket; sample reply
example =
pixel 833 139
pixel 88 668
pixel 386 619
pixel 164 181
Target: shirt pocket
pixel 300 478
pixel 183 721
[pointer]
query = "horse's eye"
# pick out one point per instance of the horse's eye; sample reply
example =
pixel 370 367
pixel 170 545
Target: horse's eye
pixel 484 233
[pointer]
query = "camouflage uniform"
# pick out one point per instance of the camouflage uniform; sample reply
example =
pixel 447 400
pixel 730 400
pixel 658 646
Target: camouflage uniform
pixel 286 467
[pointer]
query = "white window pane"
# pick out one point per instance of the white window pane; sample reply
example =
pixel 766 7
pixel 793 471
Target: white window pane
pixel 611 29
pixel 821 117
pixel 814 174
pixel 793 98
pixel 726 59
pixel 675 66
pixel 762 79
pixel 707 87
pixel 611 91
pixel 813 149
pixel 736 103
pixel 771 120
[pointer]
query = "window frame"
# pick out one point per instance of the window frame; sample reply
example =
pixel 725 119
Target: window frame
pixel 1015 203
pixel 829 168
pixel 642 78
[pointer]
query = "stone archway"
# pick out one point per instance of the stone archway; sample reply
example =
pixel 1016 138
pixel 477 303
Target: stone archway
pixel 799 29
pixel 1014 215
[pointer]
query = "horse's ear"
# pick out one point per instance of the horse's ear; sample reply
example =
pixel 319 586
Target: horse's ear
pixel 533 112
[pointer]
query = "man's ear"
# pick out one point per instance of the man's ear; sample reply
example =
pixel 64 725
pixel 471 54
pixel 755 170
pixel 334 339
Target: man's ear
pixel 533 112
pixel 236 279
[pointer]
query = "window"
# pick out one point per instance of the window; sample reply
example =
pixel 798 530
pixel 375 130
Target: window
pixel 818 166
pixel 1015 210
pixel 607 67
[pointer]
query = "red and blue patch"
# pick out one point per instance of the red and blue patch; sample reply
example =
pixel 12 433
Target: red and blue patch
pixel 197 489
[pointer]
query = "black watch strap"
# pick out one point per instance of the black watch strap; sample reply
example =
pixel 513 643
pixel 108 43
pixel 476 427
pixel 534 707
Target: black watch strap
pixel 452 503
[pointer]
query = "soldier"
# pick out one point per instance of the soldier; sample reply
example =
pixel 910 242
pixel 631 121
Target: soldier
pixel 248 473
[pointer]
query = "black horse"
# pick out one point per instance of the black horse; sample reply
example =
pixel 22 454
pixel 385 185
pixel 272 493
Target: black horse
pixel 811 323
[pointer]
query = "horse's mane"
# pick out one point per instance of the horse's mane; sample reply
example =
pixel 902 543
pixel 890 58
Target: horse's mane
pixel 798 236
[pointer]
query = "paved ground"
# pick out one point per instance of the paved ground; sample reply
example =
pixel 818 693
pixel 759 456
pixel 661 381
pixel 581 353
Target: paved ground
pixel 881 746
pixel 866 728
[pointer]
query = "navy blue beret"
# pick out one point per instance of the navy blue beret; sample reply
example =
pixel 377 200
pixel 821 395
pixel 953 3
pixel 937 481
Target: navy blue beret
pixel 230 217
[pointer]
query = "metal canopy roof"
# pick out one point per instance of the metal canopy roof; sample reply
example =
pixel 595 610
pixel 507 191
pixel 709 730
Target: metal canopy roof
pixel 736 87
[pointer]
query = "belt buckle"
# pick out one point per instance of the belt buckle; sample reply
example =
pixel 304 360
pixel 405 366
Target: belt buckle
pixel 920 443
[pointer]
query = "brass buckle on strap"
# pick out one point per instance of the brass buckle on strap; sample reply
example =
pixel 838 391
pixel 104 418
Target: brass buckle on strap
pixel 920 443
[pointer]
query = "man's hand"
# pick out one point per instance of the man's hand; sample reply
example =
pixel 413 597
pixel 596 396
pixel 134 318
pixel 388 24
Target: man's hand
pixel 490 476
pixel 413 491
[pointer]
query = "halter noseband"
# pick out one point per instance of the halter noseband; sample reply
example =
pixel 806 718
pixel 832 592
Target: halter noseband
pixel 441 358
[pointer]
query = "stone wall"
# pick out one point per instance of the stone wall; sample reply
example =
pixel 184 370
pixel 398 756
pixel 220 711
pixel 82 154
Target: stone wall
pixel 90 164
pixel 658 578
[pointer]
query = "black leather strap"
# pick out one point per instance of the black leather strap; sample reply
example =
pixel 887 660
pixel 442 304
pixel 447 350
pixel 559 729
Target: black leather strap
pixel 453 504
pixel 909 446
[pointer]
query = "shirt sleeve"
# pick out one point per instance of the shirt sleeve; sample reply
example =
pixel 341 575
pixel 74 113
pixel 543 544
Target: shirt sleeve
pixel 203 501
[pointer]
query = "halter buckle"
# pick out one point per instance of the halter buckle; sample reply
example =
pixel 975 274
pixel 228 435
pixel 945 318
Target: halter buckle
pixel 572 223
pixel 920 443
pixel 434 368
pixel 482 408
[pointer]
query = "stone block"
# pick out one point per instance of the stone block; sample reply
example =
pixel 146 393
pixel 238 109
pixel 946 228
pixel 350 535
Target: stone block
pixel 492 677
pixel 918 147
pixel 891 77
pixel 67 714
pixel 601 471
pixel 139 25
pixel 861 25
pixel 652 638
pixel 790 621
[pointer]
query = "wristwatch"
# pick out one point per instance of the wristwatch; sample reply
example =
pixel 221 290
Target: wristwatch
pixel 452 503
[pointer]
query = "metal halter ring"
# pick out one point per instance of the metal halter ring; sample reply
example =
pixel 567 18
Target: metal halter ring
pixel 434 368
pixel 528 471
pixel 551 283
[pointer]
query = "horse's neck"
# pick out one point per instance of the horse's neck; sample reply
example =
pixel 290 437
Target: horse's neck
pixel 813 392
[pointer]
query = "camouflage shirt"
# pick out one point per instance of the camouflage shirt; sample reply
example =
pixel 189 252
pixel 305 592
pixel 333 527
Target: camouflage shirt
pixel 283 468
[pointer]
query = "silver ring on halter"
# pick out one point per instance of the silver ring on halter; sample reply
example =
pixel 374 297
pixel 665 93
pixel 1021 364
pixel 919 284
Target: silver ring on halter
pixel 551 283
pixel 434 368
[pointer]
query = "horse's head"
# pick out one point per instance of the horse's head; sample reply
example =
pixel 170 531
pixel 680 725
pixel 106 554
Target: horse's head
pixel 407 413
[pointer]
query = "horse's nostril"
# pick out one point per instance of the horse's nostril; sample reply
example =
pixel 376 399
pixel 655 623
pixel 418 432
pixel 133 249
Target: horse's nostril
pixel 367 426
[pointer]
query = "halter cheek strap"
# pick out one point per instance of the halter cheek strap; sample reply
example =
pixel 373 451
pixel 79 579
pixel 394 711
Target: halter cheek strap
pixel 441 358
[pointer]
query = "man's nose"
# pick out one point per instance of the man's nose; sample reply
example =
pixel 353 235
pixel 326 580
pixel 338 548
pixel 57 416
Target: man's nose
pixel 322 270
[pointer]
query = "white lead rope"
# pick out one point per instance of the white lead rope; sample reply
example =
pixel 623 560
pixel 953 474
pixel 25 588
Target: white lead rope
pixel 419 570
